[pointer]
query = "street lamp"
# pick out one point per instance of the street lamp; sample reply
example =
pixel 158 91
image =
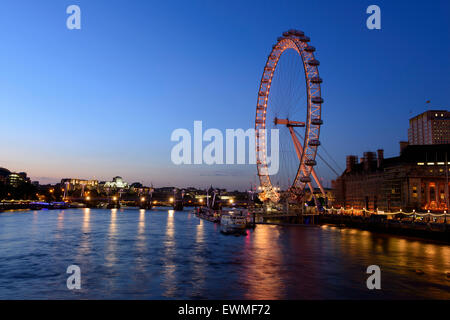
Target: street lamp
pixel 142 199
pixel 171 199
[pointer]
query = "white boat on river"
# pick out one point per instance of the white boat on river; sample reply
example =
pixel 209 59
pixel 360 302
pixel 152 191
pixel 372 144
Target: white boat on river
pixel 233 223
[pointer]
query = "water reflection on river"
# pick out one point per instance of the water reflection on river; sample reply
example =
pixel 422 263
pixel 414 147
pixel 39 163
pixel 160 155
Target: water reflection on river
pixel 162 254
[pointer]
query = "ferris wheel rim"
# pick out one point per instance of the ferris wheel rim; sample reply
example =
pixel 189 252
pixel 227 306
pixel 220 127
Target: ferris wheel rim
pixel 292 39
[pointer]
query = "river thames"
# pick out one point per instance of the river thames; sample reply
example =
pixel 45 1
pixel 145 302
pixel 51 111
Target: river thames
pixel 162 254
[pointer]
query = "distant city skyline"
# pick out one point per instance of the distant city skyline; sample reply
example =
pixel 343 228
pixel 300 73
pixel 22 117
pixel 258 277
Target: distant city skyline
pixel 103 101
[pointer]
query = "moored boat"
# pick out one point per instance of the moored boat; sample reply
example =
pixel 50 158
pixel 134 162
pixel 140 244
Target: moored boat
pixel 208 214
pixel 232 223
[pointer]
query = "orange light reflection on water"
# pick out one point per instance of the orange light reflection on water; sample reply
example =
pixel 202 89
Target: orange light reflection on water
pixel 263 258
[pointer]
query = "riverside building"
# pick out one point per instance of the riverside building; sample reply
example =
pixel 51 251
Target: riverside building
pixel 417 179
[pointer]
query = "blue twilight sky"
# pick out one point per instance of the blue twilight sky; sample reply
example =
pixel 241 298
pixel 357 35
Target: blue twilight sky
pixel 104 100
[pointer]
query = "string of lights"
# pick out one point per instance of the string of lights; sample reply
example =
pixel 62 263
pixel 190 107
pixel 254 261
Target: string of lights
pixel 352 210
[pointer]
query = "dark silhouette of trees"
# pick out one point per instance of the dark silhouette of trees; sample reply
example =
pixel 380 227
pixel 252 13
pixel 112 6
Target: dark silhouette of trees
pixel 24 191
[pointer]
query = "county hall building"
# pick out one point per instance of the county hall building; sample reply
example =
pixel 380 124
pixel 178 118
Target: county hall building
pixel 418 178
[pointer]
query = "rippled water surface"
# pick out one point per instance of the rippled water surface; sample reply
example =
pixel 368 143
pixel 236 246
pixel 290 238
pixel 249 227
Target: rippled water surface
pixel 161 254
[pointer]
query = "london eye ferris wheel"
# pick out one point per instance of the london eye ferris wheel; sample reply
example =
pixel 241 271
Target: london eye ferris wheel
pixel 289 99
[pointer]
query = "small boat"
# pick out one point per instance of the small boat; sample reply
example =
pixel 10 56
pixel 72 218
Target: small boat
pixel 208 214
pixel 77 205
pixel 58 205
pixel 230 223
pixel 102 205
